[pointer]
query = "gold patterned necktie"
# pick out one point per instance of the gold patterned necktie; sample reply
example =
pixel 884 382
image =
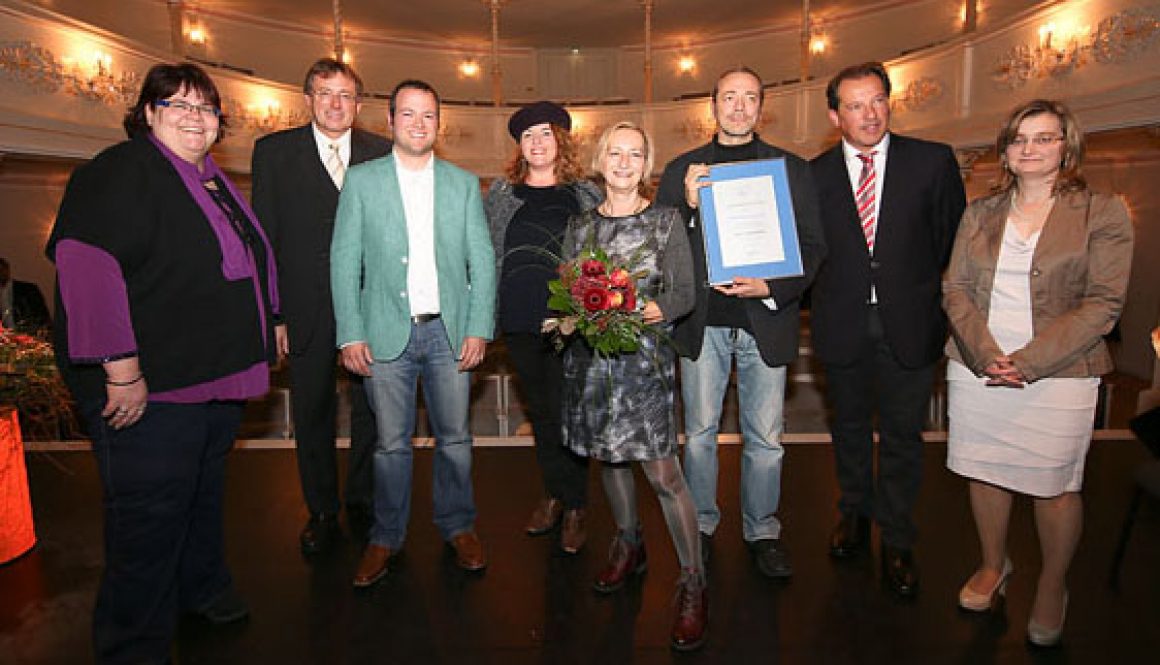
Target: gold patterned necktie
pixel 335 166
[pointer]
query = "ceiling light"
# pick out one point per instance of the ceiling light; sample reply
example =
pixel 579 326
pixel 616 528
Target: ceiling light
pixel 469 68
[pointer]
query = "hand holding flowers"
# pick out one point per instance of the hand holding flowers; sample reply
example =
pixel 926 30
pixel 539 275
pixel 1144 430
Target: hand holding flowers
pixel 598 299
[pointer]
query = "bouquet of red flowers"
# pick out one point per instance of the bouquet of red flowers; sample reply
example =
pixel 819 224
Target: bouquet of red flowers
pixel 30 381
pixel 596 298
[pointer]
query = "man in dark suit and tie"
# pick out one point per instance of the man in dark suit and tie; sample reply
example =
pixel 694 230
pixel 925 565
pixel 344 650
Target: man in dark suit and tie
pixel 297 177
pixel 890 208
pixel 22 306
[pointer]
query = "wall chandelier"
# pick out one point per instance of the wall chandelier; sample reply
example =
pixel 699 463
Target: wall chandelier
pixel 92 79
pixel 1116 39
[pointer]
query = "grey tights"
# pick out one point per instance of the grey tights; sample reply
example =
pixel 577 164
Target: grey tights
pixel 677 503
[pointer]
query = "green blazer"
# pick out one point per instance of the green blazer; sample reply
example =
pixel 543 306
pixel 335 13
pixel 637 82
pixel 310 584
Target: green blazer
pixel 369 253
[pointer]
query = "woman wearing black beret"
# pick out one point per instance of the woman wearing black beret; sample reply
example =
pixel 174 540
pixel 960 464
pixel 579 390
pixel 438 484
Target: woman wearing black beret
pixel 528 210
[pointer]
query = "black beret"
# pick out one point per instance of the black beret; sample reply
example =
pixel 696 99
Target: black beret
pixel 535 114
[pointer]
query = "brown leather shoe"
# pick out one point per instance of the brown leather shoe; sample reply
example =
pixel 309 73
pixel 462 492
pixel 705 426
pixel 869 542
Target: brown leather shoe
pixel 572 534
pixel 545 517
pixel 691 625
pixel 468 551
pixel 373 566
pixel 623 560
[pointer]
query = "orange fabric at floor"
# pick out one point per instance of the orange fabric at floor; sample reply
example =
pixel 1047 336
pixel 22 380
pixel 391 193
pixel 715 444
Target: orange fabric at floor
pixel 17 533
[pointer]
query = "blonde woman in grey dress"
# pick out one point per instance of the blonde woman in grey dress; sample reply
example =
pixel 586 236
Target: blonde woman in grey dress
pixel 620 409
pixel 1037 278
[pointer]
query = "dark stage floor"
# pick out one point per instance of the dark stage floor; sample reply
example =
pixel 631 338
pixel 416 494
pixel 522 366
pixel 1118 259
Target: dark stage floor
pixel 533 606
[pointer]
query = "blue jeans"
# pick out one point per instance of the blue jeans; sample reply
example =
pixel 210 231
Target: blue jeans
pixel 761 394
pixel 391 389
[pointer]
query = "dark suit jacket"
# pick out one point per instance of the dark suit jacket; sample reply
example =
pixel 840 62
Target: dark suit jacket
pixel 776 331
pixel 922 203
pixel 29 311
pixel 295 199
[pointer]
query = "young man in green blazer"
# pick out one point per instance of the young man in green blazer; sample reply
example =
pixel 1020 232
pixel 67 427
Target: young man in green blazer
pixel 413 277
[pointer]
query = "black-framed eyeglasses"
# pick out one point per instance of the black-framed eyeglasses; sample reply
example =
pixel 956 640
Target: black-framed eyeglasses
pixel 185 107
pixel 1039 140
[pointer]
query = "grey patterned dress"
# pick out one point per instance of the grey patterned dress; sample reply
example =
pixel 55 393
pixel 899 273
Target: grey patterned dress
pixel 621 408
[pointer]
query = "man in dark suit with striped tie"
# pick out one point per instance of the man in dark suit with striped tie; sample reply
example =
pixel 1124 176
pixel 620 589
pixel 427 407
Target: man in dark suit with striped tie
pixel 890 208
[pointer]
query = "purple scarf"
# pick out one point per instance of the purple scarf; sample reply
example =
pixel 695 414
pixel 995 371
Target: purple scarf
pixel 236 263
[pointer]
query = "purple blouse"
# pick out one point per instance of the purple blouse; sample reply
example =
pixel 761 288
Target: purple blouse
pixel 94 294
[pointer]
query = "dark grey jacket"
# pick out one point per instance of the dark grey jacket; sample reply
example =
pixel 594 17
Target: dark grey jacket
pixel 501 204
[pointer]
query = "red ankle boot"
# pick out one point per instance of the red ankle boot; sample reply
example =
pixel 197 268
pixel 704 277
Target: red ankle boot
pixel 691 625
pixel 624 559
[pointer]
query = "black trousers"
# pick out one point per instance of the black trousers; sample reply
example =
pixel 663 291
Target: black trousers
pixel 877 383
pixel 541 375
pixel 314 404
pixel 164 482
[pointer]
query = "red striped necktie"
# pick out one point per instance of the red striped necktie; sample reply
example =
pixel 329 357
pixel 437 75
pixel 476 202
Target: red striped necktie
pixel 865 198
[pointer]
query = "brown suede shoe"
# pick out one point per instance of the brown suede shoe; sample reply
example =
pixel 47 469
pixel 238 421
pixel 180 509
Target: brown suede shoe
pixel 469 551
pixel 373 566
pixel 545 517
pixel 572 534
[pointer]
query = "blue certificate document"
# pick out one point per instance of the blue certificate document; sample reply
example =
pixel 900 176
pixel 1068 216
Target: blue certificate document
pixel 748 222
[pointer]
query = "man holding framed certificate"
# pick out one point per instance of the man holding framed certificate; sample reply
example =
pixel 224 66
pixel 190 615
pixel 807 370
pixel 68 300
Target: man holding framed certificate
pixel 764 210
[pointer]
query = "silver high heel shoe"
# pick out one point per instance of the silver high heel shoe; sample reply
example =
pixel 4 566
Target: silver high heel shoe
pixel 973 601
pixel 1042 636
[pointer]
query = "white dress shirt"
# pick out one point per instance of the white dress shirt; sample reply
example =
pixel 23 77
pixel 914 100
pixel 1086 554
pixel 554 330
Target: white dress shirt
pixel 418 191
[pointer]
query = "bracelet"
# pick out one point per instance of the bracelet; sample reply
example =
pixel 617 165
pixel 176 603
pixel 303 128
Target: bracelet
pixel 122 384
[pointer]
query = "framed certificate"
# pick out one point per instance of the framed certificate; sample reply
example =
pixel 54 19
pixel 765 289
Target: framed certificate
pixel 747 221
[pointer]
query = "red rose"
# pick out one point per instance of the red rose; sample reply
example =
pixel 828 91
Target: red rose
pixel 619 278
pixel 581 286
pixel 596 299
pixel 629 304
pixel 592 268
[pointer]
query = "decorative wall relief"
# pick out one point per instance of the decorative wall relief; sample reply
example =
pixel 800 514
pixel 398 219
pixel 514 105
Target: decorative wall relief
pixel 1116 39
pixel 41 69
pixel 258 120
pixel 1125 35
pixel 918 94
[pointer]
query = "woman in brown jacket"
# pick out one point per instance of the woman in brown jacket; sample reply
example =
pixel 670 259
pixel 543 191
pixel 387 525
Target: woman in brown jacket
pixel 1037 278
